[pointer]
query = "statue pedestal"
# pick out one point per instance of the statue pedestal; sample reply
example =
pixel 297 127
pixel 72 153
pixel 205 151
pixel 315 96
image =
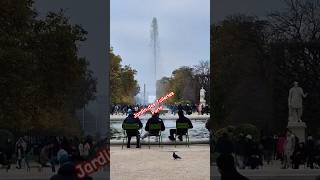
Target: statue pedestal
pixel 299 129
pixel 202 102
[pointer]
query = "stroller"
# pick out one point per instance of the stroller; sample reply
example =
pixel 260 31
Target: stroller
pixel 254 161
pixel 254 156
pixel 2 158
pixel 317 159
pixel 4 161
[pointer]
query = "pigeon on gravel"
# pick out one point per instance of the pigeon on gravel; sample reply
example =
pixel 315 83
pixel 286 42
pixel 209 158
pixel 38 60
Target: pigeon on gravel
pixel 175 156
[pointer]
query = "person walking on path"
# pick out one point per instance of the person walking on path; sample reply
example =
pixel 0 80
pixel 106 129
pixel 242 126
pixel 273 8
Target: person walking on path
pixel 19 154
pixel 289 148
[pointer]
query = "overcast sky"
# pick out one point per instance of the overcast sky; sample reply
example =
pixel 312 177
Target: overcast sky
pixel 184 28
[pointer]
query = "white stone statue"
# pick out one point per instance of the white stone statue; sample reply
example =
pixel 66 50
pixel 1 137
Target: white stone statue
pixel 295 103
pixel 202 95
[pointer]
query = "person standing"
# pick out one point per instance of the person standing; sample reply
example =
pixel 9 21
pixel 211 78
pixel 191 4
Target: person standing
pixel 280 146
pixel 240 151
pixel 298 156
pixel 86 150
pixel 268 144
pixel 253 153
pixel 227 168
pixel 81 149
pixel 19 154
pixel 310 152
pixel 9 150
pixel 289 148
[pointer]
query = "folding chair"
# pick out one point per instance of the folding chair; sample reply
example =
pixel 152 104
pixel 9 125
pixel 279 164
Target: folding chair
pixel 181 127
pixel 155 127
pixel 128 126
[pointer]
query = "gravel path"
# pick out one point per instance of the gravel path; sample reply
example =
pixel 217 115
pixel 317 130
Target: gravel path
pixel 157 163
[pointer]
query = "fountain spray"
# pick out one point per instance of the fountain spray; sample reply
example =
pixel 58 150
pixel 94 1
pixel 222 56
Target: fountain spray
pixel 155 47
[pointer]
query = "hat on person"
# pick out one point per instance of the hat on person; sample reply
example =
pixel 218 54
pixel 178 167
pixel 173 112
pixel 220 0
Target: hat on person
pixel 180 112
pixel 129 111
pixel 249 136
pixel 155 114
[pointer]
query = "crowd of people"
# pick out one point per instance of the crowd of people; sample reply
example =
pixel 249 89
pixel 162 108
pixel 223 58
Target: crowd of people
pixel 255 153
pixel 190 108
pixel 122 109
pixel 48 152
pixel 154 120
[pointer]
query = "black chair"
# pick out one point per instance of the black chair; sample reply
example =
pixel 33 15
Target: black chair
pixel 128 126
pixel 155 127
pixel 180 127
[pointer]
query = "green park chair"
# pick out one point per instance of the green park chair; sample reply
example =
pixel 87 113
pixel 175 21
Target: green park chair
pixel 153 127
pixel 128 126
pixel 182 126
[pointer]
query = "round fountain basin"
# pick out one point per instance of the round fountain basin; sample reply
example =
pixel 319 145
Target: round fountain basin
pixel 197 133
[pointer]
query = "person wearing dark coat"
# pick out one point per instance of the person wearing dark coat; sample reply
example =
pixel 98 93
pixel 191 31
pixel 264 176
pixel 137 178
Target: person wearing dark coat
pixel 153 120
pixel 298 156
pixel 310 152
pixel 253 153
pixel 8 151
pixel 224 145
pixel 19 154
pixel 227 169
pixel 268 145
pixel 132 132
pixel 240 151
pixel 180 132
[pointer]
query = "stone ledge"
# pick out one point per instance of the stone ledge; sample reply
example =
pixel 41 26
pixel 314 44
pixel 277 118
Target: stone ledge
pixel 152 142
pixel 297 124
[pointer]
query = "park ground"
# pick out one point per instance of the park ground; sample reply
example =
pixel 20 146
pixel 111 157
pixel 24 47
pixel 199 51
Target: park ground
pixel 157 163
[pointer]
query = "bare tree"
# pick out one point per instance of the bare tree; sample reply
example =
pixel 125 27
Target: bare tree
pixel 299 22
pixel 202 72
pixel 295 51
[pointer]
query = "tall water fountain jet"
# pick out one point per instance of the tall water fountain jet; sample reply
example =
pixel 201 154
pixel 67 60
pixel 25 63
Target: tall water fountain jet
pixel 154 34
